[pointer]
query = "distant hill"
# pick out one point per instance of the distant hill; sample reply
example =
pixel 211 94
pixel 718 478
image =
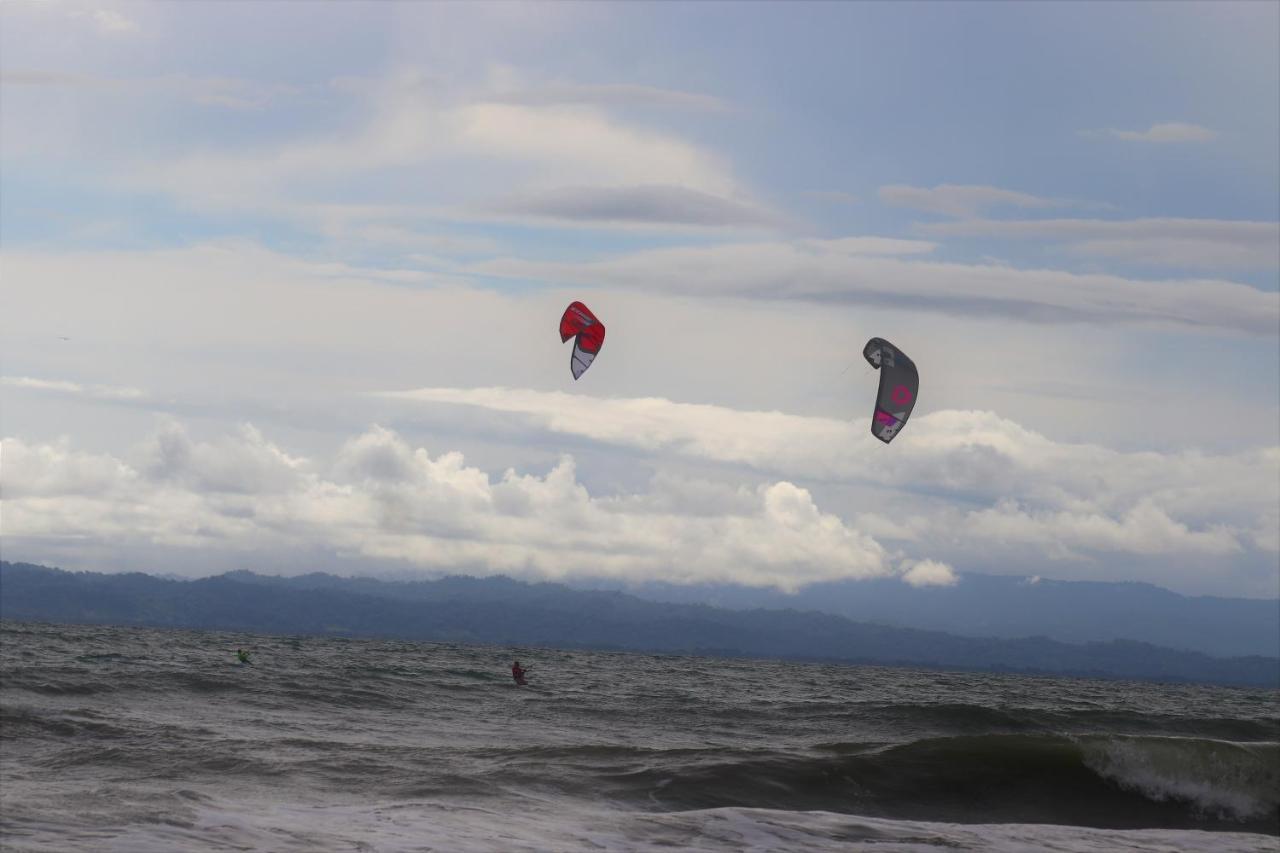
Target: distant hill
pixel 1002 606
pixel 504 611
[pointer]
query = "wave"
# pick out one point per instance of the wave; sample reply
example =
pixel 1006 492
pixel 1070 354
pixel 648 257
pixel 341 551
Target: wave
pixel 1229 780
pixel 959 719
pixel 676 739
pixel 17 723
pixel 1107 781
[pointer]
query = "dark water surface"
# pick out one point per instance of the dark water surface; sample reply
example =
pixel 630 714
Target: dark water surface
pixel 136 740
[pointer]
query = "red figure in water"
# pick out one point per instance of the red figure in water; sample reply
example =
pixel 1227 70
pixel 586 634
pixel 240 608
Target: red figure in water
pixel 517 672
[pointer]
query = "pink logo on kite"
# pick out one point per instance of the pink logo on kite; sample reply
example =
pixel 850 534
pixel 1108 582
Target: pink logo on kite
pixel 883 417
pixel 901 395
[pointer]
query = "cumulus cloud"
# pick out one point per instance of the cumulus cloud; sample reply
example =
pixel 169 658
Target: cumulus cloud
pixel 1195 243
pixel 1028 489
pixel 961 485
pixel 930 573
pixel 959 200
pixel 245 463
pixel 968 483
pixel 382 498
pixel 842 271
pixel 1144 529
pixel 1164 132
pixel 54 469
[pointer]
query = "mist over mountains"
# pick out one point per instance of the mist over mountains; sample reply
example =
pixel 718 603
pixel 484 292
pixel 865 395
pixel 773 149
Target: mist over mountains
pixel 502 611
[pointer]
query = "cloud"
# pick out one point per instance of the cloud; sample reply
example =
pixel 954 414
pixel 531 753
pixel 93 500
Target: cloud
pixel 228 92
pixel 20 77
pixel 1195 243
pixel 930 573
pixel 842 271
pixel 960 201
pixel 870 246
pixel 112 22
pixel 383 499
pixel 578 145
pixel 645 205
pixel 616 94
pixel 245 463
pixel 233 314
pixel 62 386
pixel 236 297
pixel 421 240
pixel 1173 131
pixel 565 159
pixel 766 440
pixel 53 469
pixel 1144 529
pixel 104 21
pixel 1028 489
pixel 969 486
pixel 400 152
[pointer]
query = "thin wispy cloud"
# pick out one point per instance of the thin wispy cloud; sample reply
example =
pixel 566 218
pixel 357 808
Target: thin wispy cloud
pixel 18 77
pixel 107 22
pixel 228 92
pixel 63 386
pixel 616 94
pixel 113 22
pixel 637 205
pixel 960 200
pixel 1163 133
pixel 223 301
pixel 829 271
pixel 549 159
pixel 1190 243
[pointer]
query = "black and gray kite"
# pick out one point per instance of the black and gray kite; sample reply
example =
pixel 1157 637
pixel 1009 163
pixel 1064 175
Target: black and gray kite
pixel 899 383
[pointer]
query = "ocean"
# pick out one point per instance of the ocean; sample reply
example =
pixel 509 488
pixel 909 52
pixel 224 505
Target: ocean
pixel 129 739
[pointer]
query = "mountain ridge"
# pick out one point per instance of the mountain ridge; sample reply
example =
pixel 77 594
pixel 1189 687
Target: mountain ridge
pixel 504 611
pixel 1011 607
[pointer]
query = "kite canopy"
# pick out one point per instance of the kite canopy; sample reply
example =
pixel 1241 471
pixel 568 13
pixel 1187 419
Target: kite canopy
pixel 899 383
pixel 588 333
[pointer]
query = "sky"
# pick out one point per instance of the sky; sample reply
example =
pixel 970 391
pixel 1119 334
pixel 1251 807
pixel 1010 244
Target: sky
pixel 280 286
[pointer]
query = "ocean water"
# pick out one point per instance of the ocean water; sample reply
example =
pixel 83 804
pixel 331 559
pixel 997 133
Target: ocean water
pixel 125 739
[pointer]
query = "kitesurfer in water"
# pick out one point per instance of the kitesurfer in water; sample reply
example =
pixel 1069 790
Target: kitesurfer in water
pixel 517 672
pixel 242 656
